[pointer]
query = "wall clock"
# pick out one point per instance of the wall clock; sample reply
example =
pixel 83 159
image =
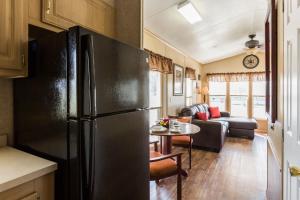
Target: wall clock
pixel 250 61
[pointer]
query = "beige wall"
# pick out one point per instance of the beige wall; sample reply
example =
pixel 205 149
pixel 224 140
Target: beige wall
pixel 6 109
pixel 232 64
pixel 155 44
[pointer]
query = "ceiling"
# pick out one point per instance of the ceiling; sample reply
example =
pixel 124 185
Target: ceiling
pixel 222 33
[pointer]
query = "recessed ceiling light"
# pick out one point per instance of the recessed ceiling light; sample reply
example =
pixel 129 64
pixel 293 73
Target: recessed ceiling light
pixel 189 12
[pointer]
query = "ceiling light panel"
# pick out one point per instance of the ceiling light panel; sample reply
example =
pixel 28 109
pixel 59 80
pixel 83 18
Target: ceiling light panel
pixel 189 12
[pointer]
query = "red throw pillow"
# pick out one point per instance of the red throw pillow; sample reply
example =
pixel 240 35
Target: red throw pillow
pixel 214 112
pixel 202 116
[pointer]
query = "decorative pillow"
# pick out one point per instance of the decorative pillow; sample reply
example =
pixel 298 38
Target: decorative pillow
pixel 202 116
pixel 214 112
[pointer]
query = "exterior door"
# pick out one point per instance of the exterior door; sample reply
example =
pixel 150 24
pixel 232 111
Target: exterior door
pixel 291 99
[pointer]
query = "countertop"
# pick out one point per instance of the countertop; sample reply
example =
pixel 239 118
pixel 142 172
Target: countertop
pixel 18 167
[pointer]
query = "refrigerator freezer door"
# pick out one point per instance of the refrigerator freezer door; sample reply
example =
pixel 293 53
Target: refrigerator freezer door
pixel 121 157
pixel 119 75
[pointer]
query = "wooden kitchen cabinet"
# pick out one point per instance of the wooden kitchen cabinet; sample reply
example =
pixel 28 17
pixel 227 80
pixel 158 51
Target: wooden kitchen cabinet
pixel 96 15
pixel 13 38
pixel 41 188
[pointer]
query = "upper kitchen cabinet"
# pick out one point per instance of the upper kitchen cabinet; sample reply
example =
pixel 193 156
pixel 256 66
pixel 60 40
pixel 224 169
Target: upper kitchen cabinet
pixel 96 15
pixel 13 38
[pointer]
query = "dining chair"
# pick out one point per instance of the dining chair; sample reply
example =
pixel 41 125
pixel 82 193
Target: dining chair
pixel 186 141
pixel 164 166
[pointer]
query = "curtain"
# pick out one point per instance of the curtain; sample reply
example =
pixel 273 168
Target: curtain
pixel 160 63
pixel 190 73
pixel 234 77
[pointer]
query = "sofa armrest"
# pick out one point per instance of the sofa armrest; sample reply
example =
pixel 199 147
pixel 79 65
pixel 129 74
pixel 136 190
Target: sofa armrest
pixel 211 135
pixel 225 114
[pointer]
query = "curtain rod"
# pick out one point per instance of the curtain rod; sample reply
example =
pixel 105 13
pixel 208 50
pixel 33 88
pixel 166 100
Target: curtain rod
pixel 233 73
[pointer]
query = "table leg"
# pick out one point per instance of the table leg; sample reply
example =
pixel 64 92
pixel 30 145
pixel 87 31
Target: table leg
pixel 167 149
pixel 167 145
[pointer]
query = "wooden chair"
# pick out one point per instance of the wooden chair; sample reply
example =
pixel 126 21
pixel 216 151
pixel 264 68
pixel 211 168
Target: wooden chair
pixel 186 141
pixel 163 166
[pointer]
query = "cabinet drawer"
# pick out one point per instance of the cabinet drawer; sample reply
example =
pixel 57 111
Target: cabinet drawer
pixel 33 196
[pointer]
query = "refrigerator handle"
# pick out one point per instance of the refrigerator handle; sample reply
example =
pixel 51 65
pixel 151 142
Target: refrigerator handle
pixel 88 162
pixel 92 158
pixel 88 46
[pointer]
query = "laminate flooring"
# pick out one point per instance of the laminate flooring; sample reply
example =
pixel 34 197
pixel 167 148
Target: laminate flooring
pixel 238 172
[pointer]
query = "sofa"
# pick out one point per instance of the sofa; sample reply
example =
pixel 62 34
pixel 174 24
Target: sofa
pixel 213 131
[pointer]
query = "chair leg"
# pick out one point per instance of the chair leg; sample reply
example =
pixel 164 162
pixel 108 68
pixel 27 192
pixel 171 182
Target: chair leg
pixel 179 184
pixel 190 152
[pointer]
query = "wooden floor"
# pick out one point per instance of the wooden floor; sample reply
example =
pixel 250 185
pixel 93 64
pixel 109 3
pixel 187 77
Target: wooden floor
pixel 238 172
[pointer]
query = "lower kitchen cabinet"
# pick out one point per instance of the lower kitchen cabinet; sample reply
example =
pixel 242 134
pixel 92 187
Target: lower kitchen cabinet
pixel 41 188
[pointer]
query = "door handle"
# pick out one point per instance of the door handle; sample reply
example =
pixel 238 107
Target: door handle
pixel 295 171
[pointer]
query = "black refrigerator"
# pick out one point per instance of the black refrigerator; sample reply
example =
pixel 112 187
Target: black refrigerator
pixel 84 106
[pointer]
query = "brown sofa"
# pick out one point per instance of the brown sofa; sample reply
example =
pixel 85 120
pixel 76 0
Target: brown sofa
pixel 213 131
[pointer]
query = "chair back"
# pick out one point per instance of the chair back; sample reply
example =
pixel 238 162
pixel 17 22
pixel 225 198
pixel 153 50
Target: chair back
pixel 185 119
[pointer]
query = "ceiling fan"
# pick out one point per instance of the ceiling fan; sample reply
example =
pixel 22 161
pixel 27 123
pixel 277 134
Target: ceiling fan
pixel 252 46
pixel 252 43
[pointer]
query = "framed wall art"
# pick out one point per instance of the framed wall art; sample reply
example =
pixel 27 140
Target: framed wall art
pixel 178 76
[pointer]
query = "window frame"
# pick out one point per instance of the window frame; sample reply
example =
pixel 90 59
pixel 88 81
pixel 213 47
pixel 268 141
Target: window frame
pixel 228 100
pixel 160 107
pixel 189 98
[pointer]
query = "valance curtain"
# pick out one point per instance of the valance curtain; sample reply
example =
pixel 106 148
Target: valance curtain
pixel 190 73
pixel 232 77
pixel 160 63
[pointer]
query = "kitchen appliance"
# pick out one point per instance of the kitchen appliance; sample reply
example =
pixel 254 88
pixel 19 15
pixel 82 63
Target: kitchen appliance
pixel 84 106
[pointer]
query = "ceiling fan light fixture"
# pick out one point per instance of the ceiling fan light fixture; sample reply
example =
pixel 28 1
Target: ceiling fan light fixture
pixel 189 12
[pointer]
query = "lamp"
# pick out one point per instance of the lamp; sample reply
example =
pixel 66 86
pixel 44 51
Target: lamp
pixel 189 12
pixel 204 92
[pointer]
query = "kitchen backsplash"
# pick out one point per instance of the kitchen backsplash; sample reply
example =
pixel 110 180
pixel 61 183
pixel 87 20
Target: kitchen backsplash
pixel 6 108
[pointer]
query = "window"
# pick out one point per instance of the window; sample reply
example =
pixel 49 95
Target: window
pixel 239 92
pixel 217 94
pixel 188 92
pixel 155 99
pixel 259 99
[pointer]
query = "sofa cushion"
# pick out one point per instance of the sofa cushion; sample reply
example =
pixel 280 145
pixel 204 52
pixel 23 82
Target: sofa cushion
pixel 162 168
pixel 192 110
pixel 239 122
pixel 225 125
pixel 204 108
pixel 202 116
pixel 214 112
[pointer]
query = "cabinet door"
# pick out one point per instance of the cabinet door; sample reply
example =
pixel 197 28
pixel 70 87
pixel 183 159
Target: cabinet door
pixel 13 38
pixel 96 15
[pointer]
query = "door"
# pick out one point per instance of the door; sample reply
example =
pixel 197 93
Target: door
pixel 120 168
pixel 292 99
pixel 119 75
pixel 13 37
